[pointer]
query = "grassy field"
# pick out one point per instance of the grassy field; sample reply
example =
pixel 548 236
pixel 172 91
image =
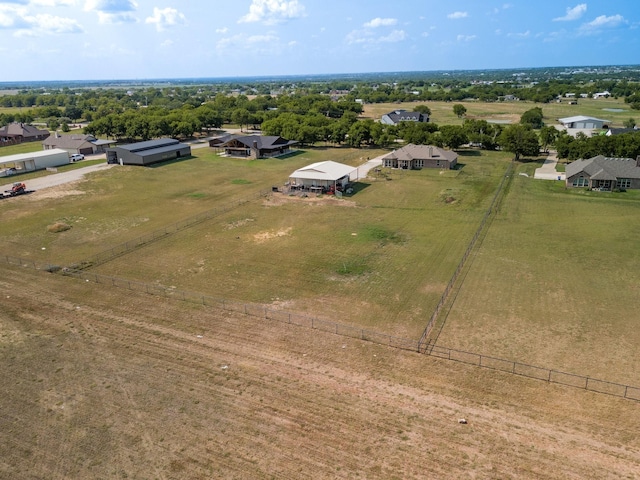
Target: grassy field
pixel 554 283
pixel 442 112
pixel 378 259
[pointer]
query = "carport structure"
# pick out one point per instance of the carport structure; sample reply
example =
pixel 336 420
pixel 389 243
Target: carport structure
pixel 326 176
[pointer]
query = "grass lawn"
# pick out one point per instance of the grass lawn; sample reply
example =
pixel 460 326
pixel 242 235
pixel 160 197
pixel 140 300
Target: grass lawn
pixel 555 283
pixel 378 259
pixel 442 112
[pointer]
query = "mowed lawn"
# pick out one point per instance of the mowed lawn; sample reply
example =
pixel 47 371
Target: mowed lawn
pixel 555 283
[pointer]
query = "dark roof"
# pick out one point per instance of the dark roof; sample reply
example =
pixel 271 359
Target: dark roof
pixel 148 145
pixel 262 142
pixel 605 168
pixel 403 116
pixel 23 130
pixel 160 149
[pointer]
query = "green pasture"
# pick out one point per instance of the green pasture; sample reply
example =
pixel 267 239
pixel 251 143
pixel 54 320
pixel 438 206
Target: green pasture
pixel 555 283
pixel 442 112
pixel 379 259
pixel 26 147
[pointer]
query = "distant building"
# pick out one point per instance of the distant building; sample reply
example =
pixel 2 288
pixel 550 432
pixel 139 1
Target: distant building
pixel 15 133
pixel 604 94
pixel 253 146
pixel 583 122
pixel 84 144
pixel 149 152
pixel 29 162
pixel 397 116
pixel 415 157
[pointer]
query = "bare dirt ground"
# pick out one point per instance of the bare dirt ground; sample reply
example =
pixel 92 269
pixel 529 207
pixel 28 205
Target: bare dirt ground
pixel 100 382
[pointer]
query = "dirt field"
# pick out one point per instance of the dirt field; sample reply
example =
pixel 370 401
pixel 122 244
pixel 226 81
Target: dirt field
pixel 105 383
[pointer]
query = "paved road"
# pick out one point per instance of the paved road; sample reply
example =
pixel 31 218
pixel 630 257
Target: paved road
pixel 59 178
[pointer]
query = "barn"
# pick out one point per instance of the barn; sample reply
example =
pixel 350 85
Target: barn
pixel 149 152
pixel 29 162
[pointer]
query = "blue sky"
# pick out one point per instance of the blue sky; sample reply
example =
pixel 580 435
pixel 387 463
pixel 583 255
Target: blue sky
pixel 135 39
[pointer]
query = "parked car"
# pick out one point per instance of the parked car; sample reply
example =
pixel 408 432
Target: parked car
pixel 76 157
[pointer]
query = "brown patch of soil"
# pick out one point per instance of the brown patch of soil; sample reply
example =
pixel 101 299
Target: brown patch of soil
pixel 283 198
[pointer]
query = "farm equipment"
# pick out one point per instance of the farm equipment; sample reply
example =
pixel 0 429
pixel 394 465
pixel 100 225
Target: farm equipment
pixel 17 189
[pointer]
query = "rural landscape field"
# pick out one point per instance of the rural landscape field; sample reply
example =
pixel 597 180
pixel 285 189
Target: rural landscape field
pixel 110 381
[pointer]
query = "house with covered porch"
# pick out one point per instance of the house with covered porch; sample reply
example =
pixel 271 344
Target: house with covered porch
pixel 604 173
pixel 253 146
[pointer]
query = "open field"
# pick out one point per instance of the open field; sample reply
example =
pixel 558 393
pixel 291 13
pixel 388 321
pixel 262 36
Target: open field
pixel 111 383
pixel 555 283
pixel 442 112
pixel 102 383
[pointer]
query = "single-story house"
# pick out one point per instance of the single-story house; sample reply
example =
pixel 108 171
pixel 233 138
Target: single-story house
pixel 604 173
pixel 327 176
pixel 604 94
pixel 146 153
pixel 29 162
pixel 397 116
pixel 75 143
pixel 15 133
pixel 414 157
pixel 253 146
pixel 583 122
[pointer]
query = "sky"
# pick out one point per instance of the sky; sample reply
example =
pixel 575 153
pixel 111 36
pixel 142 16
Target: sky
pixel 44 40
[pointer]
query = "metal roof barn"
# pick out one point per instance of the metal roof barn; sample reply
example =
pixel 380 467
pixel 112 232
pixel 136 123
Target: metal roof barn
pixel 149 152
pixel 29 162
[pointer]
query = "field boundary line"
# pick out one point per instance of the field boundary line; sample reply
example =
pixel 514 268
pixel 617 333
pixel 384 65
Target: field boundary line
pixel 424 342
pixel 549 375
pixel 131 245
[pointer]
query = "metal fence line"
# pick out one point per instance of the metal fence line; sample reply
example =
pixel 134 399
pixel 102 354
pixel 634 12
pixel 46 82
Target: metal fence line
pixel 129 246
pixel 445 295
pixel 559 377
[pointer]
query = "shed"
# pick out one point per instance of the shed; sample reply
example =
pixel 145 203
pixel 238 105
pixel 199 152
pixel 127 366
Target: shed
pixel 583 122
pixel 149 152
pixel 29 162
pixel 328 175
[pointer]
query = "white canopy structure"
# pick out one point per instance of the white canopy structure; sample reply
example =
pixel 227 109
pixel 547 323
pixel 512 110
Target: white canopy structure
pixel 326 174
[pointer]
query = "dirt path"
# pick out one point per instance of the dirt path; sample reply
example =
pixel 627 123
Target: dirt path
pixel 102 382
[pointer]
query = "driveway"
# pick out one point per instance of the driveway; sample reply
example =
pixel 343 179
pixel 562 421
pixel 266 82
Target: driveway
pixel 548 169
pixel 59 178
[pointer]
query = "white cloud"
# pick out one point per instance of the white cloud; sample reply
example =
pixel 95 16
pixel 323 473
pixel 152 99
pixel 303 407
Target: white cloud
pixel 457 15
pixel 573 13
pixel 271 12
pixel 367 37
pixel 167 43
pixel 520 35
pixel 53 3
pixel 48 25
pixel 465 38
pixel 166 18
pixel 606 22
pixel 222 30
pixel 381 22
pixel 113 11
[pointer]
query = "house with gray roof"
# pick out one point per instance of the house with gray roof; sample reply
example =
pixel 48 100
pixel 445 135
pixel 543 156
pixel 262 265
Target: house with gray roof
pixel 604 173
pixel 76 143
pixel 15 133
pixel 397 116
pixel 415 157
pixel 253 146
pixel 583 122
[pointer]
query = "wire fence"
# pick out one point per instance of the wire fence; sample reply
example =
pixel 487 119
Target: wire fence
pixel 306 321
pixel 131 245
pixel 495 201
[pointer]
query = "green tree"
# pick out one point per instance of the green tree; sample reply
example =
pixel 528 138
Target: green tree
pixel 459 110
pixel 241 116
pixel 548 135
pixel 424 109
pixel 453 136
pixel 520 140
pixel 532 117
pixel 629 123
